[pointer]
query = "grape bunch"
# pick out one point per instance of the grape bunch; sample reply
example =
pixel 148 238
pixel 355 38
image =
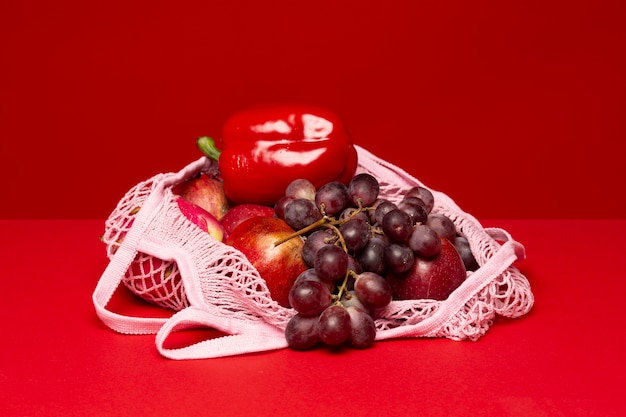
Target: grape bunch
pixel 352 239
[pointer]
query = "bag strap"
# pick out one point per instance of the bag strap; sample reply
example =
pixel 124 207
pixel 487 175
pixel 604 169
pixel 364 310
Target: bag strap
pixel 241 336
pixel 126 253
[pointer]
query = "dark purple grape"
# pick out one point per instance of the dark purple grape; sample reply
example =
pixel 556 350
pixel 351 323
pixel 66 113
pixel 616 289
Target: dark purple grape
pixel 301 188
pixel 301 212
pixel 279 207
pixel 463 247
pixel 381 209
pixel 372 209
pixel 309 297
pixel 363 190
pixel 414 200
pixel 373 290
pixel 302 332
pixel 443 225
pixel 362 328
pixel 417 212
pixel 332 198
pixel 311 275
pixel 355 233
pixel 372 256
pixel 334 325
pixel 399 257
pixel 397 225
pixel 424 241
pixel 314 241
pixel 424 194
pixel 331 262
pixel 352 213
pixel 353 265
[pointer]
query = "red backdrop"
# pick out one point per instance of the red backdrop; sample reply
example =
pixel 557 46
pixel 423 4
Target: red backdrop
pixel 514 109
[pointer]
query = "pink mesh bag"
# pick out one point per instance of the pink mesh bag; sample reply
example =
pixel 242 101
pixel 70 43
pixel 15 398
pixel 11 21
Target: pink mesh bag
pixel 164 258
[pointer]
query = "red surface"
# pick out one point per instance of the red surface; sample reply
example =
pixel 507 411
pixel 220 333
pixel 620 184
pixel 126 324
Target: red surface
pixel 565 358
pixel 516 109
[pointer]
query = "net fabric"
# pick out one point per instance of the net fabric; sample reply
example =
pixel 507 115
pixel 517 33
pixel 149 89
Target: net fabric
pixel 507 293
pixel 153 279
pixel 172 263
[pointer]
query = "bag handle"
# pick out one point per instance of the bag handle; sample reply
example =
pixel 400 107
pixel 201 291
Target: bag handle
pixel 241 336
pixel 126 253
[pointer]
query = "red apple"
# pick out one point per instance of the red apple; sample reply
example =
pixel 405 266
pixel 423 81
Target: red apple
pixel 237 214
pixel 433 278
pixel 279 265
pixel 201 218
pixel 206 192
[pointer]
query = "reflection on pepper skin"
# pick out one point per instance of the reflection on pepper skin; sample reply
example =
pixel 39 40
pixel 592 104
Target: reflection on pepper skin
pixel 263 149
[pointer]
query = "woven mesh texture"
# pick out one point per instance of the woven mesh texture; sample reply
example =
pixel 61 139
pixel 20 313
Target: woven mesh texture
pixel 221 277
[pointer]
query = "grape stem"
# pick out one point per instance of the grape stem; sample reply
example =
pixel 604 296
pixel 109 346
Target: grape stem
pixel 342 241
pixel 327 221
pixel 304 230
pixel 344 285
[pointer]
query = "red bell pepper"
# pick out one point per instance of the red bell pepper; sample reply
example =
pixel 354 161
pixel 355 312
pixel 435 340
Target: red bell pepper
pixel 263 149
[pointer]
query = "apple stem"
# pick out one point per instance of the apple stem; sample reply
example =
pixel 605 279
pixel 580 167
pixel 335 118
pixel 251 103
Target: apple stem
pixel 207 147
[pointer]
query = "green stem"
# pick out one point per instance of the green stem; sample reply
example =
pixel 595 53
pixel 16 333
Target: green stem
pixel 207 147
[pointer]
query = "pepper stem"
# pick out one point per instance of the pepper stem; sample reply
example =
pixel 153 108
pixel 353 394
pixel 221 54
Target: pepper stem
pixel 207 147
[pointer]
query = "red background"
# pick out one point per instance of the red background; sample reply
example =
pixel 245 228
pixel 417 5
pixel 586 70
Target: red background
pixel 514 109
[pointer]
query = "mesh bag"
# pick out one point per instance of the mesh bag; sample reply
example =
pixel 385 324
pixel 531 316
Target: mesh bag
pixel 164 258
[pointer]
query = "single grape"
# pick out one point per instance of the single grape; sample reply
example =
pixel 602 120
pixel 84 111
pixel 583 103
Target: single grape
pixel 302 332
pixel 309 297
pixel 363 190
pixel 424 194
pixel 372 209
pixel 373 290
pixel 300 213
pixel 463 247
pixel 443 225
pixel 416 211
pixel 424 241
pixel 332 198
pixel 353 265
pixel 399 257
pixel 362 328
pixel 301 188
pixel 279 207
pixel 355 233
pixel 331 262
pixel 314 241
pixel 311 275
pixel 334 325
pixel 414 200
pixel 352 213
pixel 381 209
pixel 397 225
pixel 372 256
